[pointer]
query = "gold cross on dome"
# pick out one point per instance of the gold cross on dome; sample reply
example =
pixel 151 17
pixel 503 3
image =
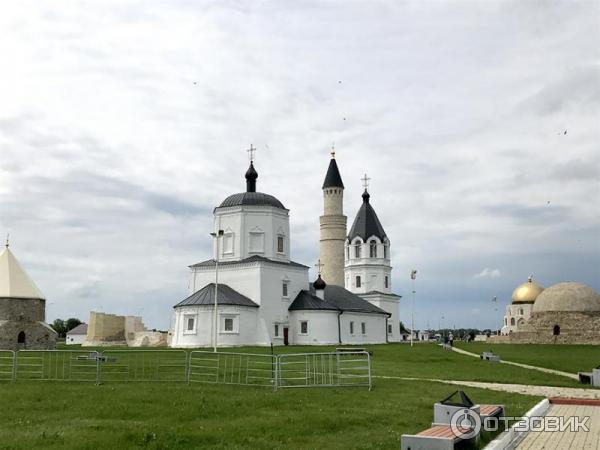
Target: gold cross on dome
pixel 251 151
pixel 365 181
pixel 318 265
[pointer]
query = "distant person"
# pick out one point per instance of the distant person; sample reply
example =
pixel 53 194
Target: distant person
pixel 445 339
pixel 451 339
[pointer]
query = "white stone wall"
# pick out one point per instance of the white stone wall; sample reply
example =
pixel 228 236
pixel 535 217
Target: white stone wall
pixel 391 305
pixel 239 223
pixel 262 282
pixel 322 327
pixel 246 319
pixel 375 328
pixel 75 339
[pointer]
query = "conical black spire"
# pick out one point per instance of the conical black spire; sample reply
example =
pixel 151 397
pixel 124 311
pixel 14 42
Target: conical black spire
pixel 251 176
pixel 366 223
pixel 333 177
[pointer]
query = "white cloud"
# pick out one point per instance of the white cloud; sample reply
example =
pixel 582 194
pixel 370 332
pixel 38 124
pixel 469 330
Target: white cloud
pixel 488 273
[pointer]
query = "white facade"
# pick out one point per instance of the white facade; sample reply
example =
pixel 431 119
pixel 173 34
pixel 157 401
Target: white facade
pixel 516 316
pixel 75 339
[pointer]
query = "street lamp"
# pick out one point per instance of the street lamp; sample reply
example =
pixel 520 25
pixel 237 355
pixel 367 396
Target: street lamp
pixel 413 277
pixel 216 236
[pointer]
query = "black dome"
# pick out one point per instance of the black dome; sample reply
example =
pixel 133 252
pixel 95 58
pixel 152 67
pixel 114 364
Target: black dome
pixel 251 198
pixel 319 283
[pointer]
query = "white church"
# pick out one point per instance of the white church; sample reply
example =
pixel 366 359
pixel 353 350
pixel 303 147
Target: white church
pixel 264 298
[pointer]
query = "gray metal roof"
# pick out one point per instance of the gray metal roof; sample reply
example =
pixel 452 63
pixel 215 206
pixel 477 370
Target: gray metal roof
pixel 79 329
pixel 206 296
pixel 254 258
pixel 306 300
pixel 251 198
pixel 333 177
pixel 336 298
pixel 383 293
pixel 366 223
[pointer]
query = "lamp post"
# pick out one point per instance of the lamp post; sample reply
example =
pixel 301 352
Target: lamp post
pixel 413 277
pixel 216 236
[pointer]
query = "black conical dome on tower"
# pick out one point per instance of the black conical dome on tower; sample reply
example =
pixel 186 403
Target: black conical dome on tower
pixel 366 223
pixel 333 177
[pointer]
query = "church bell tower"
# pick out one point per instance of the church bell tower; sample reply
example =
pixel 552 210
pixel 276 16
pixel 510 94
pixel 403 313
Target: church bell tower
pixel 333 226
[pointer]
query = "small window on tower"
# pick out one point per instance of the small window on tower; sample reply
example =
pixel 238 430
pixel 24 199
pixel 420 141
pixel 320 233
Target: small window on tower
pixel 386 282
pixel 385 251
pixel 373 249
pixel 358 281
pixel 284 289
pixel 363 327
pixel 348 252
pixel 357 249
pixel 280 244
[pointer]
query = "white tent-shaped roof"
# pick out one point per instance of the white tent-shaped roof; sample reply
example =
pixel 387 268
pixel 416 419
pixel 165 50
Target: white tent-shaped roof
pixel 14 281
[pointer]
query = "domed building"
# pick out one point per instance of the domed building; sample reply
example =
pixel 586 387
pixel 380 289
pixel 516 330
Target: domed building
pixel 566 313
pixel 519 311
pixel 22 309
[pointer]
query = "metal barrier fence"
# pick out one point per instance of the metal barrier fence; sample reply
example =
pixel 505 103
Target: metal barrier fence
pixel 232 368
pixel 143 365
pixel 324 369
pixel 56 365
pixel 275 371
pixel 7 365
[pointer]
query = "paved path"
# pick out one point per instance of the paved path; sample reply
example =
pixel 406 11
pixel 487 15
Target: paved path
pixel 538 440
pixel 573 376
pixel 525 389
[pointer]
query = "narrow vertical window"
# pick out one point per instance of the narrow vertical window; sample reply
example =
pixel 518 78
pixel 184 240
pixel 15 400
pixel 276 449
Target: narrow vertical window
pixel 363 327
pixel 304 327
pixel 373 249
pixel 386 282
pixel 284 289
pixel 190 324
pixel 385 251
pixel 280 244
pixel 358 281
pixel 276 333
pixel 351 327
pixel 357 248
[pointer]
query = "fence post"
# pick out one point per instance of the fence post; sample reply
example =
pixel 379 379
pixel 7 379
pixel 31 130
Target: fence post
pixel 14 367
pixel 369 364
pixel 98 376
pixel 276 372
pixel 188 366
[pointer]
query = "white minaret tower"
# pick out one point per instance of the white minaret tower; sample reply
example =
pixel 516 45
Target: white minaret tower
pixel 333 226
pixel 367 267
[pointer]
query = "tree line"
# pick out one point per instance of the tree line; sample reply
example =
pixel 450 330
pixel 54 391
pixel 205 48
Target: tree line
pixel 62 327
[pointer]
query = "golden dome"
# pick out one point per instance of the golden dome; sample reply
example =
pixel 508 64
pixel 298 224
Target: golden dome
pixel 527 292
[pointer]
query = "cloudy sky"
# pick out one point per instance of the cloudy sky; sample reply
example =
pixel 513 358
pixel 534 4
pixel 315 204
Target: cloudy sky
pixel 122 124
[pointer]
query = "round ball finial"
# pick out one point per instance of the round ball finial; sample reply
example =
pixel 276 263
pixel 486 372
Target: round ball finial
pixel 366 196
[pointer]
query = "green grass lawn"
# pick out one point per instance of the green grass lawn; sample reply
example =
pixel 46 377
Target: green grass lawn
pixel 153 415
pixel 568 358
pixel 177 415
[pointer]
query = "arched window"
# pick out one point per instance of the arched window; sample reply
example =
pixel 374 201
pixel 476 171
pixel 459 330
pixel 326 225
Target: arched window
pixel 521 311
pixel 385 251
pixel 21 338
pixel 556 330
pixel 373 249
pixel 357 249
pixel 512 320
